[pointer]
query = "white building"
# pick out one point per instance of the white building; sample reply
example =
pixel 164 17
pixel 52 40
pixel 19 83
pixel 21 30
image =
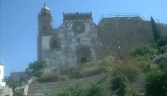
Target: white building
pixel 2 83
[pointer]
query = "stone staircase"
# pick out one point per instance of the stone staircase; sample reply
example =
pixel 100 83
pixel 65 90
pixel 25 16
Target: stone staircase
pixel 39 89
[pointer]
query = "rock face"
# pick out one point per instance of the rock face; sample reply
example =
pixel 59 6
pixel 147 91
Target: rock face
pixel 79 39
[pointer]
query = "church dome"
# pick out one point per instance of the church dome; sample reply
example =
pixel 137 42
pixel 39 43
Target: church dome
pixel 45 11
pixel 45 7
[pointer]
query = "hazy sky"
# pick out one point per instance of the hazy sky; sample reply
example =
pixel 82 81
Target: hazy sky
pixel 19 23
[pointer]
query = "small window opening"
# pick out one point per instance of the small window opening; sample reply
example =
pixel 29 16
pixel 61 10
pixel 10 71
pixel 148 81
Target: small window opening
pixel 55 45
pixel 83 60
pixel 44 13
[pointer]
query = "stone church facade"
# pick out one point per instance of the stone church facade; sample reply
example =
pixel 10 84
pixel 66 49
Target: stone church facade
pixel 79 39
pixel 74 42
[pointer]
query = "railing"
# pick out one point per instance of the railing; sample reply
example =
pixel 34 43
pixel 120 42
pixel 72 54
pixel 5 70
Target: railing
pixel 122 15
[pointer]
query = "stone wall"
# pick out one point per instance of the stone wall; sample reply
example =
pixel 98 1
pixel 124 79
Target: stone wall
pixel 120 34
pixel 126 33
pixel 18 77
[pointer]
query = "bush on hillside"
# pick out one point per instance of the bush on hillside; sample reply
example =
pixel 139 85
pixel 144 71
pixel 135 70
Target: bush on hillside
pixel 162 42
pixel 157 83
pixel 143 50
pixel 47 78
pixel 163 65
pixel 90 69
pixel 98 90
pixel 162 49
pixel 131 71
pixel 76 89
pixel 132 91
pixel 36 68
pixel 119 84
pixel 82 89
pixel 125 56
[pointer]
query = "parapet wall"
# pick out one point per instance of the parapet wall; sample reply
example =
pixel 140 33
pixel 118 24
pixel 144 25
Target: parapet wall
pixel 77 16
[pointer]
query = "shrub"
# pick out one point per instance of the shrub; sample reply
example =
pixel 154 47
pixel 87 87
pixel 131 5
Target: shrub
pixel 157 84
pixel 150 67
pixel 120 84
pixel 63 78
pixel 125 56
pixel 35 68
pixel 131 91
pixel 97 90
pixel 129 70
pixel 50 77
pixel 162 42
pixel 143 50
pixel 76 89
pixel 162 49
pixel 163 65
pixel 91 68
pixel 94 70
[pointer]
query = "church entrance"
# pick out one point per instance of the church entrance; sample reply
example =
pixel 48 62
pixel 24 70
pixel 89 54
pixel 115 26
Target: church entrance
pixel 83 54
pixel 83 60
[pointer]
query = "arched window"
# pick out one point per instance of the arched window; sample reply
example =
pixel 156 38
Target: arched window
pixel 54 44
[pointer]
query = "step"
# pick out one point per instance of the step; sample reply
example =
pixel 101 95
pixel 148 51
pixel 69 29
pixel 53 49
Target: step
pixel 34 88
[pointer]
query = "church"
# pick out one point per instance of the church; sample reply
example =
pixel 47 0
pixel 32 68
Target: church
pixel 79 40
pixel 74 42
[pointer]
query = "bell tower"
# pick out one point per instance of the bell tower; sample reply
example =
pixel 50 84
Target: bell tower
pixel 45 21
pixel 44 27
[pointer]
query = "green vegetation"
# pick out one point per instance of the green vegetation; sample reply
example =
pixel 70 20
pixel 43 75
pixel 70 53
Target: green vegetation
pixel 84 70
pixel 157 83
pixel 162 42
pixel 156 33
pixel 16 92
pixel 162 45
pixel 120 84
pixel 125 71
pixel 130 71
pixel 36 68
pixel 145 51
pixel 82 89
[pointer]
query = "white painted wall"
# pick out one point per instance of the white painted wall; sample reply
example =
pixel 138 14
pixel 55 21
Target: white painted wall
pixel 2 75
pixel 45 43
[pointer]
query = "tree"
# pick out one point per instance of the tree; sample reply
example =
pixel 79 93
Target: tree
pixel 157 84
pixel 119 84
pixel 36 68
pixel 156 33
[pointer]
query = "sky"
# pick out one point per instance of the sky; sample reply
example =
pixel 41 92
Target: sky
pixel 19 23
